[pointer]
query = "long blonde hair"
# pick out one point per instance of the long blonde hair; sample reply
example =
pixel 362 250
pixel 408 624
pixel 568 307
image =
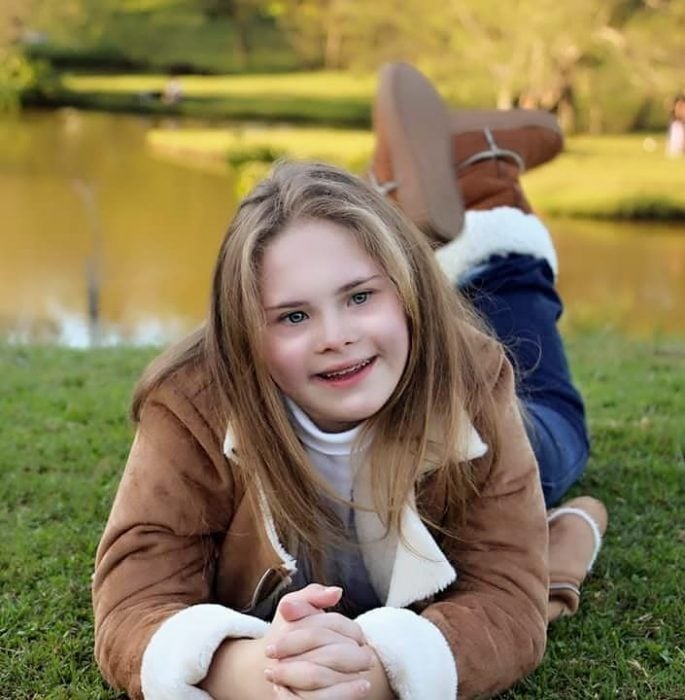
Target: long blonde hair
pixel 423 420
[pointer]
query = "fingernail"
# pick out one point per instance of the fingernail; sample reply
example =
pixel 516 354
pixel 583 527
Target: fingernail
pixel 268 674
pixel 364 687
pixel 270 651
pixel 330 589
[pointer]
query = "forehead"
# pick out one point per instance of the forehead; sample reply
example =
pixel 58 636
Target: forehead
pixel 311 258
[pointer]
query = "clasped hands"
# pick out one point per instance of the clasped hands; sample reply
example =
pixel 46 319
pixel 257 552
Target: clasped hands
pixel 318 655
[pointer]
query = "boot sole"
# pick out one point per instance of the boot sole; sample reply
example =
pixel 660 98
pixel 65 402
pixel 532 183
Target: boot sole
pixel 417 124
pixel 471 120
pixel 465 120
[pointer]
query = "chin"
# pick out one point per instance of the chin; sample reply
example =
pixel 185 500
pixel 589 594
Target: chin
pixel 360 413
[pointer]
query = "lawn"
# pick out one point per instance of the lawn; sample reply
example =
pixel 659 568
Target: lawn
pixel 64 436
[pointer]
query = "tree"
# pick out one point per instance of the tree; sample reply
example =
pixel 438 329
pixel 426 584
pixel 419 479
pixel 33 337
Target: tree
pixel 538 53
pixel 317 29
pixel 242 14
pixel 18 75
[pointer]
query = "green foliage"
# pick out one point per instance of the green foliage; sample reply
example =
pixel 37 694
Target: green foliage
pixel 64 436
pixel 23 79
pixel 16 76
pixel 602 66
pixel 94 57
pixel 253 154
pixel 190 36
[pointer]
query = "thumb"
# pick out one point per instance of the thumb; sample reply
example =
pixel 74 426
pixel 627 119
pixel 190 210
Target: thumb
pixel 308 601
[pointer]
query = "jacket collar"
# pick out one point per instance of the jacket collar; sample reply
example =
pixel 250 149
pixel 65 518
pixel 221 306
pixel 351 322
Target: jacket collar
pixel 402 571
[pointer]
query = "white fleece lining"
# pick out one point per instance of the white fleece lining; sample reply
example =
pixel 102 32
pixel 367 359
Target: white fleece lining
pixel 229 444
pixel 180 652
pixel 417 660
pixel 498 231
pixel 401 572
pixel 288 560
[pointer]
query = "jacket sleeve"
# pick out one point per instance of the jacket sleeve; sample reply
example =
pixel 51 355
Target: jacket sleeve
pixel 494 618
pixel 155 564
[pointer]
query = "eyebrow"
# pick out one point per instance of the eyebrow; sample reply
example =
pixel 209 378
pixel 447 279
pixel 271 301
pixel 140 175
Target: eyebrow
pixel 341 290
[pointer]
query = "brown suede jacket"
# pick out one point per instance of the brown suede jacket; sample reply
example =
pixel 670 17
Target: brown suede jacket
pixel 185 562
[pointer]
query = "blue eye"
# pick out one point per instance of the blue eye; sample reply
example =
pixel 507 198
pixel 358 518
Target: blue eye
pixel 360 297
pixel 294 317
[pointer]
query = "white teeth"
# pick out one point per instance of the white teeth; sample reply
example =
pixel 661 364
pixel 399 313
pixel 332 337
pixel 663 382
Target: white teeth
pixel 345 372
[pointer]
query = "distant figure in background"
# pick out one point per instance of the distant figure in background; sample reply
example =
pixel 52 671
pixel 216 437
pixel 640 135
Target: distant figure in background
pixel 173 91
pixel 675 143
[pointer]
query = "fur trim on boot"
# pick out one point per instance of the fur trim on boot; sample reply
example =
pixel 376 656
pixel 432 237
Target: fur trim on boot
pixel 497 231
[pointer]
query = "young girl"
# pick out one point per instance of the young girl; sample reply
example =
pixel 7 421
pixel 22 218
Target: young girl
pixel 331 492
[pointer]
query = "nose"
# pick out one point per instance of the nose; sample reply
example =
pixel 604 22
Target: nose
pixel 336 330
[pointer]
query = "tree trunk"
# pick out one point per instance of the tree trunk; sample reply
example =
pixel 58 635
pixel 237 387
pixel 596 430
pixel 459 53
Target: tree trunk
pixel 243 46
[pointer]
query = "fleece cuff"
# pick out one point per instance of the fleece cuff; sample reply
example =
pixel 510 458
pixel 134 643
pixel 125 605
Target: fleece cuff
pixel 417 660
pixel 180 652
pixel 499 231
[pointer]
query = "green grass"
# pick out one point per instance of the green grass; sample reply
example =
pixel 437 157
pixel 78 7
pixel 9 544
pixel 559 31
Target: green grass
pixel 64 438
pixel 604 177
pixel 350 148
pixel 318 97
pixel 612 177
pixel 329 85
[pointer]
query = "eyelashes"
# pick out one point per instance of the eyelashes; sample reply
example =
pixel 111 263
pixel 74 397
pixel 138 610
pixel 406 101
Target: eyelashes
pixel 360 297
pixel 295 318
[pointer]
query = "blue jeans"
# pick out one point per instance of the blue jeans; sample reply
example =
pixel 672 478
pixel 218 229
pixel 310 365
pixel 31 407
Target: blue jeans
pixel 516 296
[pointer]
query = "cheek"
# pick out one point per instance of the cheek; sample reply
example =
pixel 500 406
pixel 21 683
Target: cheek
pixel 397 332
pixel 404 344
pixel 284 358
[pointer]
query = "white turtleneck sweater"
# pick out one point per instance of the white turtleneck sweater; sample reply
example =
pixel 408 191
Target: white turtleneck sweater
pixel 336 456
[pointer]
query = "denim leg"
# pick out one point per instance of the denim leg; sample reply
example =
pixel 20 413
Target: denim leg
pixel 516 296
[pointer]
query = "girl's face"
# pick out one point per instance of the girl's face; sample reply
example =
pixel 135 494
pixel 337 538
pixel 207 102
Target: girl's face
pixel 336 339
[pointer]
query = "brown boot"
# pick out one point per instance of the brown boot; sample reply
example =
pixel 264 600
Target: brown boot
pixel 575 537
pixel 412 162
pixel 491 148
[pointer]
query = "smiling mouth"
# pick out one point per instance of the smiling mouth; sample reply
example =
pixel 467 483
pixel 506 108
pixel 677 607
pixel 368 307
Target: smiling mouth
pixel 348 371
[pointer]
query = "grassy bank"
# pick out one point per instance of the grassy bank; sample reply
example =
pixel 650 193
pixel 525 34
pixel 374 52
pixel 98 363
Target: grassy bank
pixel 612 177
pixel 64 438
pixel 605 177
pixel 320 97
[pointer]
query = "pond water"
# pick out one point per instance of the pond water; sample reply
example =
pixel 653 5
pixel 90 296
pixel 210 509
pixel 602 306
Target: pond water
pixel 84 201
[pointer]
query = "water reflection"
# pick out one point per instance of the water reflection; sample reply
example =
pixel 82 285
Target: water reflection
pixel 80 192
pixel 624 276
pixel 160 228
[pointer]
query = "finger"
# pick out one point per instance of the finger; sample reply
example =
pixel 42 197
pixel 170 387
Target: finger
pixel 346 658
pixel 334 622
pixel 295 641
pixel 283 693
pixel 294 610
pixel 349 690
pixel 322 646
pixel 308 601
pixel 303 675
